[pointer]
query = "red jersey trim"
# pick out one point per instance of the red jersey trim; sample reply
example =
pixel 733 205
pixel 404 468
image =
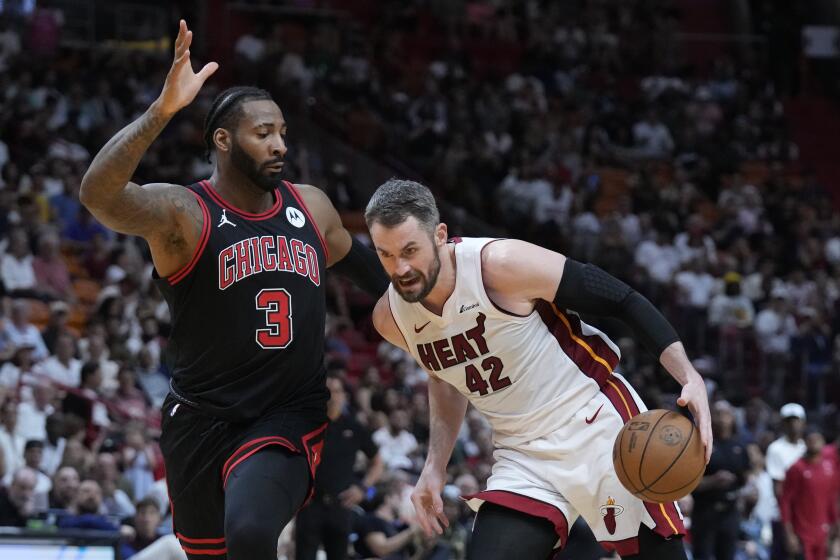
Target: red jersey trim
pixel 283 442
pixel 293 190
pixel 271 212
pixel 199 249
pixel 199 541
pixel 219 552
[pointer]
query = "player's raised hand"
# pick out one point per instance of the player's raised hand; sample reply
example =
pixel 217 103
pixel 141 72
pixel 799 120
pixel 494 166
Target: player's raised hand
pixel 695 398
pixel 182 83
pixel 428 502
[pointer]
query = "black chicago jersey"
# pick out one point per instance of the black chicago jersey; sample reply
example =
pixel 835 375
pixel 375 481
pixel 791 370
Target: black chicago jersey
pixel 248 310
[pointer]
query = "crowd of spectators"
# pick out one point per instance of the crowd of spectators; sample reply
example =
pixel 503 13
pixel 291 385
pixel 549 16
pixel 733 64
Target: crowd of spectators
pixel 576 125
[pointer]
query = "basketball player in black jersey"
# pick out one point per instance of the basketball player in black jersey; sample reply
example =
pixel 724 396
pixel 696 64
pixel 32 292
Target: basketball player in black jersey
pixel 241 259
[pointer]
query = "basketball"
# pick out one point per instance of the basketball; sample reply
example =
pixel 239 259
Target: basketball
pixel 658 456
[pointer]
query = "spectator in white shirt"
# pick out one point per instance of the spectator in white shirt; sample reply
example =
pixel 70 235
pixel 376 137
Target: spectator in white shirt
pixel 19 331
pixel 784 452
pixel 11 444
pixel 775 326
pixel 33 452
pixel 652 138
pixel 695 288
pixel 16 270
pixel 33 413
pixel 395 442
pixel 63 368
pixel 731 308
pixel 658 258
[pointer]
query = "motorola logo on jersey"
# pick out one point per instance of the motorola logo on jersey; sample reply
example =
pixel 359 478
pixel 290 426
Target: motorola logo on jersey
pixel 267 253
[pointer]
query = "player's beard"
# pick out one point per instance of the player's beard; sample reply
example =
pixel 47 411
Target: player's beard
pixel 248 166
pixel 427 281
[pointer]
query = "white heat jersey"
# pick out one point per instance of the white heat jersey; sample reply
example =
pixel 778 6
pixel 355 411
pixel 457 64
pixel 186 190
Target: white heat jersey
pixel 528 375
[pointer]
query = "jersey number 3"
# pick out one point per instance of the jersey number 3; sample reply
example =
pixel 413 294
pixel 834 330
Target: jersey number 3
pixel 491 365
pixel 277 304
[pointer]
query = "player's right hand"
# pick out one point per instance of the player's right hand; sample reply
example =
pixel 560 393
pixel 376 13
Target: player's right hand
pixel 428 502
pixel 182 84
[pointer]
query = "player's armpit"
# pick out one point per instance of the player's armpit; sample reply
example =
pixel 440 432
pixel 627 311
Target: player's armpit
pixel 385 325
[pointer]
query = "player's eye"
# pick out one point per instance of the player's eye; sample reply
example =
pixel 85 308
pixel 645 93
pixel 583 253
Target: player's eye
pixel 262 134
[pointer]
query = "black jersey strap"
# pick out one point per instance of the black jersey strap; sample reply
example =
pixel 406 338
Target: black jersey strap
pixel 589 289
pixel 362 267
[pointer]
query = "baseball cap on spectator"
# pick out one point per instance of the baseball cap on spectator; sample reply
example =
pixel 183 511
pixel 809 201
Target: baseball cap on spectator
pixel 59 306
pixel 732 277
pixel 792 410
pixel 779 292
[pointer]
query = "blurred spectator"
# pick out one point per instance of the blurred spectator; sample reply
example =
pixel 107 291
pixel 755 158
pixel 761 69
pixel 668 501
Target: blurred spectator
pixel 19 331
pixel 128 400
pixel 63 368
pixel 16 271
pixel 33 453
pixel 11 444
pixel 775 326
pixel 395 442
pixel 380 532
pixel 17 501
pixel 90 385
pixel 731 308
pixel 695 288
pixel 140 461
pixel 87 511
pixel 56 325
pixel 781 454
pixel 716 520
pixel 808 503
pixel 327 519
pixel 115 501
pixel 65 489
pixel 54 444
pixel 652 139
pixel 33 412
pixel 154 384
pixel 146 521
pixel 50 269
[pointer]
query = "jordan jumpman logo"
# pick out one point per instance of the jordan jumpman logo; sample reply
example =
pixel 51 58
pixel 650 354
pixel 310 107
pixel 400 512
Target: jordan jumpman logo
pixel 225 220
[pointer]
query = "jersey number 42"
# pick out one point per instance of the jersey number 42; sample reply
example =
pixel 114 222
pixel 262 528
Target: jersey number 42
pixel 491 365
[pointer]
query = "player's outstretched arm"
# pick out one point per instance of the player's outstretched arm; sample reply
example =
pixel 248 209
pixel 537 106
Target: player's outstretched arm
pixel 107 190
pixel 515 271
pixel 347 256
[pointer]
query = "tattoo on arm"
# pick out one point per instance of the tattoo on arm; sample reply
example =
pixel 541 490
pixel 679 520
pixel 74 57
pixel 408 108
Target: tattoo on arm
pixel 116 162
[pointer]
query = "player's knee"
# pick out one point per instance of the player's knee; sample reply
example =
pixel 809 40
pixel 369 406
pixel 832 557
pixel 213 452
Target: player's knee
pixel 249 538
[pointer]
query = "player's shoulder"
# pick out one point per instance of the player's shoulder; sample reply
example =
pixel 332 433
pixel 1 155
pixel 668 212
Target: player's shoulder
pixel 381 316
pixel 311 195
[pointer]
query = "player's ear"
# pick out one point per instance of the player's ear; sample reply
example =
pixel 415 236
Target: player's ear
pixel 441 234
pixel 222 140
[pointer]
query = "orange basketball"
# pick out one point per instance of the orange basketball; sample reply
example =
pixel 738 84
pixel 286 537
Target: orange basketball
pixel 658 456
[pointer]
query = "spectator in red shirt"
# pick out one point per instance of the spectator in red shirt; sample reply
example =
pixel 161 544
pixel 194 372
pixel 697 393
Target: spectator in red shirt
pixel 809 501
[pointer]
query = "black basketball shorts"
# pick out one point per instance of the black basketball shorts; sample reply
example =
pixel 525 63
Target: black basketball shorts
pixel 201 451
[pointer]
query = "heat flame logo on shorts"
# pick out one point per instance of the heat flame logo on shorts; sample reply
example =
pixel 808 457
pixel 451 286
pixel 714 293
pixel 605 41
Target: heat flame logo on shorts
pixel 610 511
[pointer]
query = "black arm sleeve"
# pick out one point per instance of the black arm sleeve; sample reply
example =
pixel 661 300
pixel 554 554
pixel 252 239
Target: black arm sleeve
pixel 361 266
pixel 588 289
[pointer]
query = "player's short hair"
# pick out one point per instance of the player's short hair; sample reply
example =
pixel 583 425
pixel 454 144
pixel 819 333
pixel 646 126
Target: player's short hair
pixel 397 199
pixel 226 110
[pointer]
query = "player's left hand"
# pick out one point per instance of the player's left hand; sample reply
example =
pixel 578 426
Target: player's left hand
pixel 695 398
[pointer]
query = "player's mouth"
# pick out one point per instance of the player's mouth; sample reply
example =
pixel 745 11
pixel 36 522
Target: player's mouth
pixel 408 282
pixel 275 166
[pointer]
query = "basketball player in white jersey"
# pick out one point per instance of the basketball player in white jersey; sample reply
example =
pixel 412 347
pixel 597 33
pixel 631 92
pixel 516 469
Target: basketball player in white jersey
pixel 494 323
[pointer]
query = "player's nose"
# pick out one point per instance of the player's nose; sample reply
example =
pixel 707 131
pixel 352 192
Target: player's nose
pixel 278 147
pixel 403 267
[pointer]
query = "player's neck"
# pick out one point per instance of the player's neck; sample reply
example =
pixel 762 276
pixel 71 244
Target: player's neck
pixel 239 191
pixel 445 284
